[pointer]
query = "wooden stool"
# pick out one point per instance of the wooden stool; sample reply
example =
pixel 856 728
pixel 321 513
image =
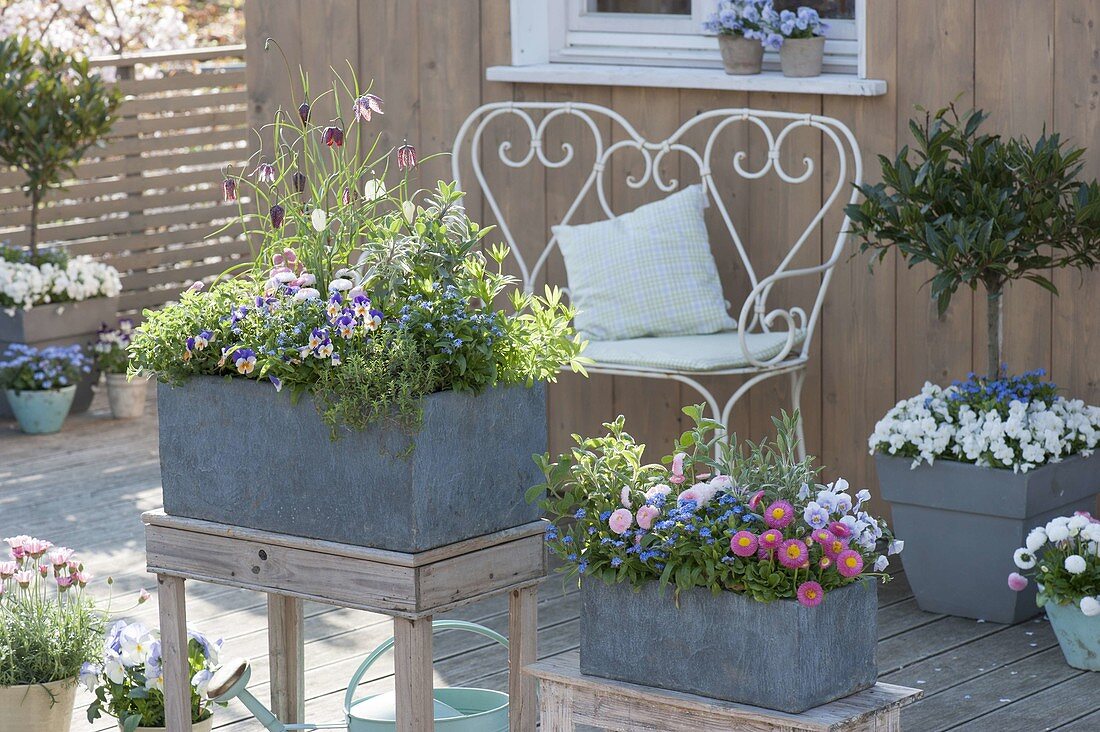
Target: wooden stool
pixel 408 587
pixel 570 698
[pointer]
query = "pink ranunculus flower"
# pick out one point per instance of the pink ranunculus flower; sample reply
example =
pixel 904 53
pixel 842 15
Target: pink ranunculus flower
pixel 646 516
pixel 624 496
pixel 620 520
pixel 677 476
pixel 1017 582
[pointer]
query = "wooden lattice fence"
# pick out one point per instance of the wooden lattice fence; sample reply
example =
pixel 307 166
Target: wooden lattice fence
pixel 148 200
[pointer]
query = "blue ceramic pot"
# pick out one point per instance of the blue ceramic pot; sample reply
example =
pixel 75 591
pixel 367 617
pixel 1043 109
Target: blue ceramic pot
pixel 1078 635
pixel 41 412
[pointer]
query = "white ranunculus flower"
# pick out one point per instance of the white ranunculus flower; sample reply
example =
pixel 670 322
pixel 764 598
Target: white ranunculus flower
pixel 1090 606
pixel 1075 564
pixel 1023 558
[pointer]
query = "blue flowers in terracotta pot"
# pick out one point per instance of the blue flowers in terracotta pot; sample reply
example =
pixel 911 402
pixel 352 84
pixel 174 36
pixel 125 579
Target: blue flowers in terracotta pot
pixel 40 383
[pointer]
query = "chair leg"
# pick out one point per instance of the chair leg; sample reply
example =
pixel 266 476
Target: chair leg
pixel 798 378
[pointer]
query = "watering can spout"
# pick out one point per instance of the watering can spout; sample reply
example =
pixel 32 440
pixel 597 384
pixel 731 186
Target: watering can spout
pixel 230 681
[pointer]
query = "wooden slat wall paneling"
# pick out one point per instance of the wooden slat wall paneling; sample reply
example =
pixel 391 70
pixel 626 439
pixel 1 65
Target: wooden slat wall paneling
pixel 734 191
pixel 146 199
pixel 1014 83
pixel 389 39
pixel 1076 332
pixel 935 47
pixel 268 85
pixel 857 333
pixel 779 213
pixel 576 405
pixel 652 406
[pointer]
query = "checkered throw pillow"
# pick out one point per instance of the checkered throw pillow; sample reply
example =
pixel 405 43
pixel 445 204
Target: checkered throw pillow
pixel 649 272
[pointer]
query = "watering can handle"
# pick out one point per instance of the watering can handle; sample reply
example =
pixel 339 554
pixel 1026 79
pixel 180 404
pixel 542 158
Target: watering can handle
pixel 386 645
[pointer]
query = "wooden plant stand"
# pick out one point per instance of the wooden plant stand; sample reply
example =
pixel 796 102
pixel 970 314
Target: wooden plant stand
pixel 408 587
pixel 570 698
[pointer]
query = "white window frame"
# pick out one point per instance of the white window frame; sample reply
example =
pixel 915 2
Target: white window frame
pixel 566 32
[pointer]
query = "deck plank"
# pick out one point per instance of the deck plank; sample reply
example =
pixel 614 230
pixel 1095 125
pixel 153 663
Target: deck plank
pixel 88 486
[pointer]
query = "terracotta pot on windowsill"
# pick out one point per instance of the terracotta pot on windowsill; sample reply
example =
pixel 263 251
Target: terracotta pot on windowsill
pixel 740 56
pixel 802 57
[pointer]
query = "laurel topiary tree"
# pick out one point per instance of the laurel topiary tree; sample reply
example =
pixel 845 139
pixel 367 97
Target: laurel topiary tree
pixel 982 210
pixel 53 107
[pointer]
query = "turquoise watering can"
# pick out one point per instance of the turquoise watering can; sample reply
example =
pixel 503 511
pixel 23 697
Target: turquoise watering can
pixel 456 709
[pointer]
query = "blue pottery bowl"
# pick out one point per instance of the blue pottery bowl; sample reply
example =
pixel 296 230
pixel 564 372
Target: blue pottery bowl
pixel 1078 635
pixel 41 412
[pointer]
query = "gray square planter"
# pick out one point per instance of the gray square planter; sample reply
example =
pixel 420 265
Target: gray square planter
pixel 237 452
pixel 961 524
pixel 777 655
pixel 60 324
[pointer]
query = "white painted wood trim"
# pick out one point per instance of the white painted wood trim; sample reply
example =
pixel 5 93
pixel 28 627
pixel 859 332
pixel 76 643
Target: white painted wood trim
pixel 684 78
pixel 530 40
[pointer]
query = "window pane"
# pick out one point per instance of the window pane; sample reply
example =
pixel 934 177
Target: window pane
pixel 826 8
pixel 661 7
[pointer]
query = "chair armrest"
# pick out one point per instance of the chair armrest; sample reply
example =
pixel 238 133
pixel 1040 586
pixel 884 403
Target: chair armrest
pixel 755 312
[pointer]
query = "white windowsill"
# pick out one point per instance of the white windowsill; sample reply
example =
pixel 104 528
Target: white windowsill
pixel 684 78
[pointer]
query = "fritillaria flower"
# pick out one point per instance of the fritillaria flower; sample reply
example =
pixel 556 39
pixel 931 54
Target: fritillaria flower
pixel 278 213
pixel 347 196
pixel 333 136
pixel 229 190
pixel 406 157
pixel 264 173
pixel 319 219
pixel 303 112
pixel 367 105
pixel 298 180
pixel 374 189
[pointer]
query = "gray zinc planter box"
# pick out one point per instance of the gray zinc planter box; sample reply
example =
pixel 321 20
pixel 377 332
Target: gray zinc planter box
pixel 961 524
pixel 59 324
pixel 237 452
pixel 777 655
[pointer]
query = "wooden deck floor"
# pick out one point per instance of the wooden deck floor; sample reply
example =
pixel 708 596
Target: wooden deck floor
pixel 86 487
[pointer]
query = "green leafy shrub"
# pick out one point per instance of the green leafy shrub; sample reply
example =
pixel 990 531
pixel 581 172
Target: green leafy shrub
pixel 53 107
pixel 982 210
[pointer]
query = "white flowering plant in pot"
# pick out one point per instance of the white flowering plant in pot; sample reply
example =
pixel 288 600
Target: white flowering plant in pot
pixel 51 276
pixel 996 452
pixel 1063 557
pixel 128 680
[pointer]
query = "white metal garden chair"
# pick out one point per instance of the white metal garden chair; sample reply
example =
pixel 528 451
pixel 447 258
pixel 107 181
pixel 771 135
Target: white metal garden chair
pixel 767 342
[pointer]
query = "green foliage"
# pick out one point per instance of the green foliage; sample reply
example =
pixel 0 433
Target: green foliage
pixel 44 642
pixel 981 210
pixel 53 107
pixel 364 295
pixel 715 488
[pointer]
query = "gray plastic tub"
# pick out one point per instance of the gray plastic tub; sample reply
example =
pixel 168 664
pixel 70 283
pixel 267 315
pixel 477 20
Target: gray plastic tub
pixel 961 524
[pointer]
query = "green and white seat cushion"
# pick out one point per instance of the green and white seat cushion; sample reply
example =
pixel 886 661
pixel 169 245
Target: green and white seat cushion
pixel 692 353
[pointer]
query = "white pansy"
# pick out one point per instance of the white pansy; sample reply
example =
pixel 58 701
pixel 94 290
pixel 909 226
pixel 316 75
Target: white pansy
pixel 881 564
pixel 89 676
pixel 1031 435
pixel 1090 606
pixel 113 668
pixel 1023 558
pixel 895 547
pixel 1035 539
pixel 1075 564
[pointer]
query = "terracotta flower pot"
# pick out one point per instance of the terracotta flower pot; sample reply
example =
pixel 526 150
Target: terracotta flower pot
pixel 37 707
pixel 740 56
pixel 127 397
pixel 204 726
pixel 802 57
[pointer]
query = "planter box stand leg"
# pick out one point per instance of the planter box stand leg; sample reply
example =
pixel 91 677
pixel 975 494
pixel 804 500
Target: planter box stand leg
pixel 413 674
pixel 522 650
pixel 286 656
pixel 173 640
